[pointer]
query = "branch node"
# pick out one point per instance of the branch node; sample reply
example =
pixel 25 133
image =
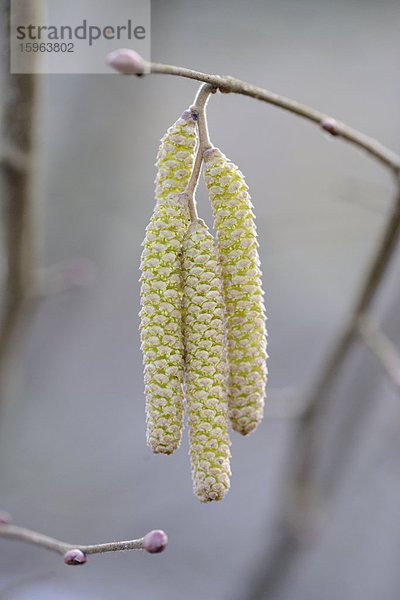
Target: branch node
pixel 330 126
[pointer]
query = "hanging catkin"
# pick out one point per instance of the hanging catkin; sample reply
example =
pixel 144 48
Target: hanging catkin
pixel 238 254
pixel 161 289
pixel 176 157
pixel 205 364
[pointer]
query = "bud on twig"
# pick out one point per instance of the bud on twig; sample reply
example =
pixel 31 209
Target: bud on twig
pixel 75 557
pixel 330 125
pixel 127 62
pixel 155 541
pixel 5 518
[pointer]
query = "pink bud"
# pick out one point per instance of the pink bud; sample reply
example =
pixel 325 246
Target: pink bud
pixel 155 541
pixel 330 125
pixel 126 61
pixel 75 557
pixel 5 518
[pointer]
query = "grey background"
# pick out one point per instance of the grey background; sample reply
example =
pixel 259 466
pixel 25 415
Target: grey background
pixel 73 458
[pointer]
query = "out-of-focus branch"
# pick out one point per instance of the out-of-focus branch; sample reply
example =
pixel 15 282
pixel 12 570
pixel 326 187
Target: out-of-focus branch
pixel 17 147
pixel 303 498
pixel 130 63
pixel 368 291
pixel 75 554
pixel 383 348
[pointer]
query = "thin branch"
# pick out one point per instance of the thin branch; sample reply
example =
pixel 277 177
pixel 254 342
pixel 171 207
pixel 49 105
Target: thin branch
pixel 383 348
pixel 153 542
pixel 135 64
pixel 198 110
pixel 188 194
pixel 49 543
pixel 229 84
pixel 268 578
pixel 366 295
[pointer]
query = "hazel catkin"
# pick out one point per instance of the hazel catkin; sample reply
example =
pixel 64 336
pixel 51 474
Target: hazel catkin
pixel 238 255
pixel 161 289
pixel 205 364
pixel 175 157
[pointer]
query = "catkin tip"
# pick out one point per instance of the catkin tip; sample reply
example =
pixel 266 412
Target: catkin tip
pixel 244 429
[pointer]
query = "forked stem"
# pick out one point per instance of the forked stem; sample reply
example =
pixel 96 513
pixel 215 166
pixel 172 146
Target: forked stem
pixel 198 110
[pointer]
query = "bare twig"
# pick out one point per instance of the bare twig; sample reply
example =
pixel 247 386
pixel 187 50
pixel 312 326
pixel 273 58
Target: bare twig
pixel 198 110
pixel 153 542
pixel 189 193
pixel 136 65
pixel 268 579
pixel 383 348
pixel 336 128
pixel 367 294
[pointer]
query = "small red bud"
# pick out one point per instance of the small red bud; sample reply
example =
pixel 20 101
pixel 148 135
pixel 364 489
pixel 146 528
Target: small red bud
pixel 75 557
pixel 5 518
pixel 330 125
pixel 126 61
pixel 155 541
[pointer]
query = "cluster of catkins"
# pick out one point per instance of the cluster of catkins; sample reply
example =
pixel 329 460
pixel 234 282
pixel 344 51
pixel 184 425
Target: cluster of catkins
pixel 202 325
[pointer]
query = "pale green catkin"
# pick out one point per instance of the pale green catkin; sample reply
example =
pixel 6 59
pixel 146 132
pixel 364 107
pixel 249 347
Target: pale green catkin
pixel 175 157
pixel 238 255
pixel 161 289
pixel 205 364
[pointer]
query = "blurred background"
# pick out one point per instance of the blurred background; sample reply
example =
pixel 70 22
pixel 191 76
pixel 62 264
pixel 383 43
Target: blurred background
pixel 73 456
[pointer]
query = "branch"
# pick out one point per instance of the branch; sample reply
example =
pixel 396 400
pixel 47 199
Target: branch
pixel 384 350
pixel 268 578
pixel 366 296
pixel 75 554
pixel 130 63
pixel 16 170
pixel 198 110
